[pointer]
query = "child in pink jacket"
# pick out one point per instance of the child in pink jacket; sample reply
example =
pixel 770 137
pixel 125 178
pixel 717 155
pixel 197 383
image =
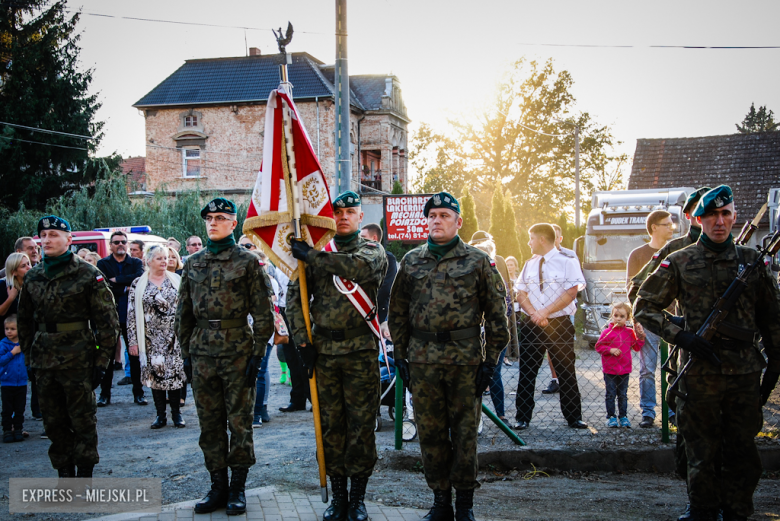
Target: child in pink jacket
pixel 615 345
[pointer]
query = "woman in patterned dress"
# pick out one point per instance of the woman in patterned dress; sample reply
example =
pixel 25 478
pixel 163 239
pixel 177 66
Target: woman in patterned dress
pixel 151 310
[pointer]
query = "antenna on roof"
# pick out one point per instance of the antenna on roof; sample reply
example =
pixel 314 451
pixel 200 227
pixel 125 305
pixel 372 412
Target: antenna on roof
pixel 246 45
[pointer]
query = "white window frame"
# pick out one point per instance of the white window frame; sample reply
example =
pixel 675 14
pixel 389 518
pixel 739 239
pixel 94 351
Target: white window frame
pixel 184 159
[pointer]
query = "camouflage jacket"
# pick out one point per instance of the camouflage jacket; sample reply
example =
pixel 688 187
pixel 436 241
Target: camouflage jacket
pixel 76 294
pixel 670 247
pixel 462 290
pixel 360 261
pixel 224 286
pixel 696 277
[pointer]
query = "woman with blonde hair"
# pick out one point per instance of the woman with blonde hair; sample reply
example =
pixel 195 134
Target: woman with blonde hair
pixel 174 262
pixel 151 310
pixel 16 267
pixel 92 258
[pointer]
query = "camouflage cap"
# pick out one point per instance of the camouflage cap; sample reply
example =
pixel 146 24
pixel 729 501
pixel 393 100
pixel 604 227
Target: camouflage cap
pixel 690 203
pixel 442 200
pixel 219 205
pixel 52 222
pixel 718 197
pixel 348 199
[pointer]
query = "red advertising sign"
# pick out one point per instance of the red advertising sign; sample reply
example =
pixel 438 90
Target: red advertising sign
pixel 404 219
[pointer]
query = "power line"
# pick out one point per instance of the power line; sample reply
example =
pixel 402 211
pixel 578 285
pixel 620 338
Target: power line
pixel 711 47
pixel 42 143
pixel 46 131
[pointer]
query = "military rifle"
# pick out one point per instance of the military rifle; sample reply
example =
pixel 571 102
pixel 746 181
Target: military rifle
pixel 726 302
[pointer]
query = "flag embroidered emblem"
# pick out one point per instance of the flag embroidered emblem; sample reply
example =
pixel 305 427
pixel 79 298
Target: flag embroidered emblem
pixel 99 278
pixel 665 263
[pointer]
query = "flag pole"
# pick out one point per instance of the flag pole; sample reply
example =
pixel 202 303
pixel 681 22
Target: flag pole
pixel 293 179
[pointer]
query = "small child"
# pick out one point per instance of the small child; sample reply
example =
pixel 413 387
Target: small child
pixel 13 379
pixel 615 345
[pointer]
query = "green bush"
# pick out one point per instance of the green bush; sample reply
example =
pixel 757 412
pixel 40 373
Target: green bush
pixel 106 204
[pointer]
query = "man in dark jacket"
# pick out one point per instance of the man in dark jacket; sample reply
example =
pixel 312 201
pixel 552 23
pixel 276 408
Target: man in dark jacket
pixel 120 270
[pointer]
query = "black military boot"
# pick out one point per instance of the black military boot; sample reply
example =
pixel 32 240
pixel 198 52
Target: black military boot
pixel 442 507
pixel 337 511
pixel 464 502
pixel 84 471
pixel 159 404
pixel 178 421
pixel 357 493
pixel 217 496
pixel 236 503
pixel 700 514
pixel 67 472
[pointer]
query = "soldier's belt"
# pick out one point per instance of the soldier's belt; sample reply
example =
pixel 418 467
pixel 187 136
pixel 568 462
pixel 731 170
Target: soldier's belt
pixel 216 325
pixel 446 336
pixel 62 327
pixel 339 335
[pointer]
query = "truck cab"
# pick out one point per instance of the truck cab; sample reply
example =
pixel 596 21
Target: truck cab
pixel 97 240
pixel 617 225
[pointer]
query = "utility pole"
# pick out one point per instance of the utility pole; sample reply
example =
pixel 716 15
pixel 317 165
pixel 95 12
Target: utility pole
pixel 577 176
pixel 343 162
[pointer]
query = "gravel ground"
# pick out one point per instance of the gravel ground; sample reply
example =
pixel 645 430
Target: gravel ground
pixel 286 459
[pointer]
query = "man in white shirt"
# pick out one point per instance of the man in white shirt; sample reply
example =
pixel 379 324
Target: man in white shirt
pixel 546 291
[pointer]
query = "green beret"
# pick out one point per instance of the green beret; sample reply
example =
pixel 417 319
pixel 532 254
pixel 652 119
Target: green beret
pixel 442 200
pixel 348 199
pixel 718 197
pixel 690 203
pixel 219 205
pixel 52 222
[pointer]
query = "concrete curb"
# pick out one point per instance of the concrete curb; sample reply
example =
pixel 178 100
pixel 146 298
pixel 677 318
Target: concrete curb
pixel 644 460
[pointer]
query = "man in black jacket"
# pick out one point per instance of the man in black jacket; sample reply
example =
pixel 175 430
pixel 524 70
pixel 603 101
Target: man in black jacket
pixel 120 269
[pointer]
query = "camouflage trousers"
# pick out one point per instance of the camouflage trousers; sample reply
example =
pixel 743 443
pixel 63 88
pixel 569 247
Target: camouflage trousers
pixel 719 420
pixel 446 411
pixel 222 396
pixel 68 407
pixel 348 389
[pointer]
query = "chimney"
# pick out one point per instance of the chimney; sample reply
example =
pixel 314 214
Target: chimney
pixel 254 51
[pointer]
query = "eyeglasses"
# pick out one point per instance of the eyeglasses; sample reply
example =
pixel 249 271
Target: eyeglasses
pixel 217 218
pixel 118 242
pixel 249 246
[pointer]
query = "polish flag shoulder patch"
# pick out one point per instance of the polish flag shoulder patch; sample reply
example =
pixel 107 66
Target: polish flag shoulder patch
pixel 492 263
pixel 99 278
pixel 665 263
pixel 766 262
pixel 656 254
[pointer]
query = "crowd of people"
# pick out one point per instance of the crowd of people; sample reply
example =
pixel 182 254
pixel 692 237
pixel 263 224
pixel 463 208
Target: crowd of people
pixel 449 308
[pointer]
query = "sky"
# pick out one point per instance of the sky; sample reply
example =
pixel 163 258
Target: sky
pixel 449 55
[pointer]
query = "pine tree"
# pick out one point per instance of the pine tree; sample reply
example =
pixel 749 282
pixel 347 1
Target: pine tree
pixel 759 120
pixel 513 239
pixel 40 87
pixel 397 188
pixel 468 211
pixel 497 213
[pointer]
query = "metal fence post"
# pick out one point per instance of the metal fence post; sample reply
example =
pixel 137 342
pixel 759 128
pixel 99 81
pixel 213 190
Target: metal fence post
pixel 664 406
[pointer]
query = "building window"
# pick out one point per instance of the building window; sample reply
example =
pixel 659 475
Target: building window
pixel 191 166
pixel 190 121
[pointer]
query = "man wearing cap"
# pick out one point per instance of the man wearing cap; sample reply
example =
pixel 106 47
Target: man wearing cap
pixel 221 285
pixel 444 291
pixel 68 329
pixel 344 353
pixel 722 413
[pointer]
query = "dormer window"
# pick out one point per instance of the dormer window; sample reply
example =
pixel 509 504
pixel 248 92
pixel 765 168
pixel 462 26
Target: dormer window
pixel 190 121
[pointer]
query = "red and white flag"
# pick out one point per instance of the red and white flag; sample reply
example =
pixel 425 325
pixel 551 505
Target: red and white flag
pixel 270 215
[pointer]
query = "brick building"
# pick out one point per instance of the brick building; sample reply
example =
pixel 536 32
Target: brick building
pixel 205 122
pixel 748 163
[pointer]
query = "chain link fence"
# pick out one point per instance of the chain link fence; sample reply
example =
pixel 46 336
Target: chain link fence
pixel 569 341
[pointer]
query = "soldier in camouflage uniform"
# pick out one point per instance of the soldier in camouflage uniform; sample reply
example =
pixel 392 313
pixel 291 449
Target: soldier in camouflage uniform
pixel 443 292
pixel 68 329
pixel 220 286
pixel 344 353
pixel 722 412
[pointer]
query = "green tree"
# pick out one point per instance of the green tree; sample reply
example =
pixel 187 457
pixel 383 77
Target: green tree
pixel 525 139
pixel 761 120
pixel 469 214
pixel 42 87
pixel 512 243
pixel 497 216
pixel 397 188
